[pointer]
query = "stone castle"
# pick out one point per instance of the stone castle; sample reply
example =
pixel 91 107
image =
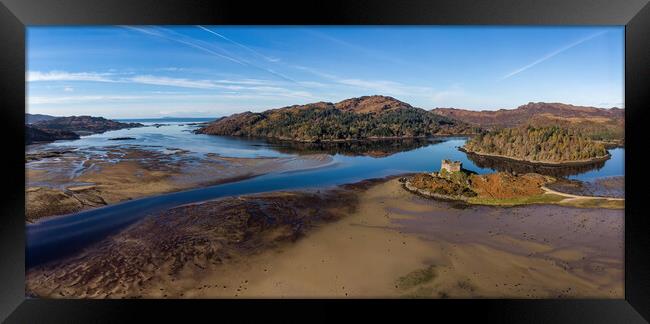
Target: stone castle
pixel 451 166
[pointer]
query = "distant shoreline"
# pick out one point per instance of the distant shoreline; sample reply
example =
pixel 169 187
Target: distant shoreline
pixel 367 139
pixel 540 163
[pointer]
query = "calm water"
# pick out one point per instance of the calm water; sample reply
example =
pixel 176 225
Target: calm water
pixel 52 238
pixel 174 133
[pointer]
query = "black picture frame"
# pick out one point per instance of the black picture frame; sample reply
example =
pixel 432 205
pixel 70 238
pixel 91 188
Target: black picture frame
pixel 16 14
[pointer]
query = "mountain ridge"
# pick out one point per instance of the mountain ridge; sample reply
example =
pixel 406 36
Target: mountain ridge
pixel 597 123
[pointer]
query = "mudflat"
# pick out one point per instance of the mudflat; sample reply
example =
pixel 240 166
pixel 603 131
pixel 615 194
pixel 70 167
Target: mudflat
pixel 372 239
pixel 64 182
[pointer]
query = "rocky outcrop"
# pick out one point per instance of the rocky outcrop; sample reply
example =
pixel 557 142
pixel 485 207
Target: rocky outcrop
pixel 36 135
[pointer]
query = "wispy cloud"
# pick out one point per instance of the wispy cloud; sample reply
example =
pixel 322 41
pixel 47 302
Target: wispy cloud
pixel 355 47
pixel 455 90
pixel 315 72
pixel 171 69
pixel 180 82
pixel 38 76
pixel 35 76
pixel 38 100
pixel 552 54
pixel 266 93
pixel 225 89
pixel 243 88
pixel 209 48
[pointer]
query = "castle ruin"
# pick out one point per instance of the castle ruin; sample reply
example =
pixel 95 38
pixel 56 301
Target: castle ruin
pixel 451 166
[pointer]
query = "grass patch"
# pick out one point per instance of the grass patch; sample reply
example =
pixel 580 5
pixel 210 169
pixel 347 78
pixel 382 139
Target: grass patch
pixel 535 199
pixel 596 203
pixel 416 278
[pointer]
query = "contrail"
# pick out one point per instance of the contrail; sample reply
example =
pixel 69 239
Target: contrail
pixel 239 44
pixel 203 48
pixel 199 47
pixel 552 54
pixel 277 74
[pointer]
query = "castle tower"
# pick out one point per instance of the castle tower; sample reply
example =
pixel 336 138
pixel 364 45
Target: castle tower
pixel 451 166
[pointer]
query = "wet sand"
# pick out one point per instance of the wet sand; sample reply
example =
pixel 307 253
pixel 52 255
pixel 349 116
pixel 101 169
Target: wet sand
pixel 71 181
pixel 370 240
pixel 604 187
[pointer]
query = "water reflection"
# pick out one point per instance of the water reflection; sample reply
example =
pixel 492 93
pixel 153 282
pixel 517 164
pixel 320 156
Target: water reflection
pixel 372 148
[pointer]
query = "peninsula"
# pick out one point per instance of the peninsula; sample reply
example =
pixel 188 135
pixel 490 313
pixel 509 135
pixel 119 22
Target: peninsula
pixel 541 145
pixel 48 128
pixel 453 182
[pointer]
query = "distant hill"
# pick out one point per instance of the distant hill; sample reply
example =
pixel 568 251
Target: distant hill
pixel 368 117
pixel 68 128
pixel 596 123
pixel 33 118
pixel 83 125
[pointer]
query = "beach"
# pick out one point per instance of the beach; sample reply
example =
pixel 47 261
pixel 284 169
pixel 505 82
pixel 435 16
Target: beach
pixel 372 239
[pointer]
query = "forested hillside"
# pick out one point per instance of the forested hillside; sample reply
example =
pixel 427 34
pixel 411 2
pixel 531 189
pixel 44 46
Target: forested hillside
pixel 537 144
pixel 352 119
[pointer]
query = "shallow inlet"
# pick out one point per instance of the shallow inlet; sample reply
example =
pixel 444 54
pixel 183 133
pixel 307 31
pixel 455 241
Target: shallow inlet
pixel 53 238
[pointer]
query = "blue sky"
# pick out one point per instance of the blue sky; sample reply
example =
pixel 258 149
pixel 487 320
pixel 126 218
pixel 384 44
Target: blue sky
pixel 209 71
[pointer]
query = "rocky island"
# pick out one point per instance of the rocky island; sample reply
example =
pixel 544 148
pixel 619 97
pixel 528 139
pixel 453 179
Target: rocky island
pixel 368 117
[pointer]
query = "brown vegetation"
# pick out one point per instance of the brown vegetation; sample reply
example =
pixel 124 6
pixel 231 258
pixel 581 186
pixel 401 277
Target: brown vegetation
pixel 506 185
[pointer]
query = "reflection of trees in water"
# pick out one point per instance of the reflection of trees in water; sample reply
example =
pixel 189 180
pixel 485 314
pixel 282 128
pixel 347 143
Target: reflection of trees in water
pixel 374 148
pixel 506 165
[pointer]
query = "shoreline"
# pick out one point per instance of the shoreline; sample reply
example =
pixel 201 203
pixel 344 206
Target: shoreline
pixel 540 163
pixel 218 182
pixel 544 196
pixel 366 239
pixel 52 190
pixel 325 141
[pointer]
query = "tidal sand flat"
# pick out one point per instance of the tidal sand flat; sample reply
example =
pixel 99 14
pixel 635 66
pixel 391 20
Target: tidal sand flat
pixel 606 187
pixel 67 181
pixel 372 239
